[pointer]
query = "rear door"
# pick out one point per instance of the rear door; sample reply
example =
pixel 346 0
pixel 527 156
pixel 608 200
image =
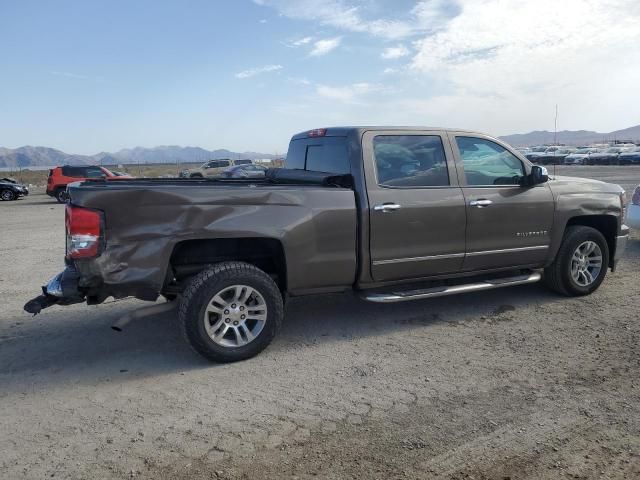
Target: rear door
pixel 507 224
pixel 417 211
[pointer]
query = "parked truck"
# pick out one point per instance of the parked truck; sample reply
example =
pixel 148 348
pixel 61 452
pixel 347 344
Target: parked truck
pixel 392 214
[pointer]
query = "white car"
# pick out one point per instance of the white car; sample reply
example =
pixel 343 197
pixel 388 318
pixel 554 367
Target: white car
pixel 633 210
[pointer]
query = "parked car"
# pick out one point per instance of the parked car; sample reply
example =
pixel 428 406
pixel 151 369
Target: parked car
pixel 60 177
pixel 212 168
pixel 245 171
pixel 608 156
pixel 387 212
pixel 10 189
pixel 629 157
pixel 535 152
pixel 633 211
pixel 580 156
pixel 553 156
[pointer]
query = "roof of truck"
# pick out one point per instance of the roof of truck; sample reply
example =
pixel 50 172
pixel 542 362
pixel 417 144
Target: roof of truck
pixel 344 131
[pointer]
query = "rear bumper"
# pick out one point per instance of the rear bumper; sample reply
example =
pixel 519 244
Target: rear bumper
pixel 62 289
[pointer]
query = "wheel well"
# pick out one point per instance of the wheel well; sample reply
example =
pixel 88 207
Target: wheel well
pixel 605 224
pixel 191 256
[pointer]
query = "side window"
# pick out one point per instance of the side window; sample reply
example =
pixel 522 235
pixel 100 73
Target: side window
pixel 410 161
pixel 76 172
pixel 93 172
pixel 223 163
pixel 487 163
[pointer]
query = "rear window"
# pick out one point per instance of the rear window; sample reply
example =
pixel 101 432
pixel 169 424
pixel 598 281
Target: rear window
pixel 326 154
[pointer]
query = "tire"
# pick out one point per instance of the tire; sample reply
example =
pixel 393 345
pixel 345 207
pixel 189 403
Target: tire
pixel 560 277
pixel 196 175
pixel 61 195
pixel 202 314
pixel 7 195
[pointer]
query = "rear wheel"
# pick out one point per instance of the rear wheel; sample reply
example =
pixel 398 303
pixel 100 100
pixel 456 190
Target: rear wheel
pixel 61 195
pixel 230 311
pixel 581 263
pixel 196 175
pixel 7 195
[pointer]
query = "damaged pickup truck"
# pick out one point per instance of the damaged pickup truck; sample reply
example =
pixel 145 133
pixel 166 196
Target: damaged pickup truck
pixel 393 214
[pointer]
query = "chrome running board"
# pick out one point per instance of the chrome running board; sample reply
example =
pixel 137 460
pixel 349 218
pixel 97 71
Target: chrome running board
pixel 405 296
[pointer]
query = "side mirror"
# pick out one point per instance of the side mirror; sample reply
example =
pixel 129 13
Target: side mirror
pixel 538 175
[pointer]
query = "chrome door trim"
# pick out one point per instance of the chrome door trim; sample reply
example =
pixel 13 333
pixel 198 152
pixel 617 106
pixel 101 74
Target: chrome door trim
pixel 508 250
pixel 459 255
pixel 418 259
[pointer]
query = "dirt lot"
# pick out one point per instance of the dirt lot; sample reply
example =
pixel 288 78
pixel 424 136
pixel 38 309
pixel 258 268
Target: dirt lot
pixel 514 383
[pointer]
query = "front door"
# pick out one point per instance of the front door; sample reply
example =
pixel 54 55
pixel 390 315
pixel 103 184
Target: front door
pixel 507 224
pixel 417 211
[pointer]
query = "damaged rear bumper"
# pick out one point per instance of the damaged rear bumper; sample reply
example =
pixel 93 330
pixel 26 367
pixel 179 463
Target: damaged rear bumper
pixel 61 290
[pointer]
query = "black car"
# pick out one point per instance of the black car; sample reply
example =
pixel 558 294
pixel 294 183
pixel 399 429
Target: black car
pixel 607 157
pixel 10 189
pixel 628 158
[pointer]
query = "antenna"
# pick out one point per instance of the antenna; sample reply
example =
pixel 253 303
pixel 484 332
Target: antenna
pixel 555 137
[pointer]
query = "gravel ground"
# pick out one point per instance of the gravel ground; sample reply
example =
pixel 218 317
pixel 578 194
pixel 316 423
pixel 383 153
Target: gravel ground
pixel 513 383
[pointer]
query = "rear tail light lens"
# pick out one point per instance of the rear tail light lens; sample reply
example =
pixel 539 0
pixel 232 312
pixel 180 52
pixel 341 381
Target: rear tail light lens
pixel 636 196
pixel 84 232
pixel 318 132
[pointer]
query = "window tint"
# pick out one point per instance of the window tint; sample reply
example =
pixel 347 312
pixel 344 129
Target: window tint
pixel 77 172
pixel 243 162
pixel 487 163
pixel 94 172
pixel 327 154
pixel 410 161
pixel 224 163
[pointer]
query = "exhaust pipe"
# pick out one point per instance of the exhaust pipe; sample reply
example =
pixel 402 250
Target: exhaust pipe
pixel 143 312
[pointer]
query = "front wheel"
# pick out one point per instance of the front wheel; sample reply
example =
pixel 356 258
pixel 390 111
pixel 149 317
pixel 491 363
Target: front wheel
pixel 581 263
pixel 7 195
pixel 230 311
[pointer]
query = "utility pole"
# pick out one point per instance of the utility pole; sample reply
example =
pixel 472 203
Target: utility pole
pixel 555 128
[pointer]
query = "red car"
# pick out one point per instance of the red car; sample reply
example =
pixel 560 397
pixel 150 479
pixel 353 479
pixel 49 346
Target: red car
pixel 60 177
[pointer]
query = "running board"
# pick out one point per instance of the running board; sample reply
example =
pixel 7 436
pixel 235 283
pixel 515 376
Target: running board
pixel 405 296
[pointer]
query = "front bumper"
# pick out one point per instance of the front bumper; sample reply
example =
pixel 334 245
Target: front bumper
pixel 621 245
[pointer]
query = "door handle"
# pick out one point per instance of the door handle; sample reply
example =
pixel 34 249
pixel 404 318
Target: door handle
pixel 387 207
pixel 480 203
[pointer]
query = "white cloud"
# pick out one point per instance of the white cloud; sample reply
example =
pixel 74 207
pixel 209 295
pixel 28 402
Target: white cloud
pixel 70 75
pixel 392 53
pixel 322 47
pixel 348 93
pixel 390 71
pixel 354 15
pixel 263 20
pixel 534 59
pixel 302 41
pixel 257 71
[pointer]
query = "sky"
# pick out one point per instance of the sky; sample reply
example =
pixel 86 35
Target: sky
pixel 87 76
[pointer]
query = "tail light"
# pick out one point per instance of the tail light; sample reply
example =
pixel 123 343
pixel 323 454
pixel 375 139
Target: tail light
pixel 317 132
pixel 636 196
pixel 84 232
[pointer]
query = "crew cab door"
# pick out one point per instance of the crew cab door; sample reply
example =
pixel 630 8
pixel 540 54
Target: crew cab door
pixel 507 224
pixel 416 207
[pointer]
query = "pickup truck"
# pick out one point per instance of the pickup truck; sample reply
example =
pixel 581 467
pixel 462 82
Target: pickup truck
pixel 393 214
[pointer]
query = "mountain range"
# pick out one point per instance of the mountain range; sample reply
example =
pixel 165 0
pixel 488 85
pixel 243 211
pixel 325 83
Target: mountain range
pixel 25 157
pixel 569 137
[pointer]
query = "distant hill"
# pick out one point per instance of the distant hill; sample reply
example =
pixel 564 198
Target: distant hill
pixel 25 157
pixel 568 137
